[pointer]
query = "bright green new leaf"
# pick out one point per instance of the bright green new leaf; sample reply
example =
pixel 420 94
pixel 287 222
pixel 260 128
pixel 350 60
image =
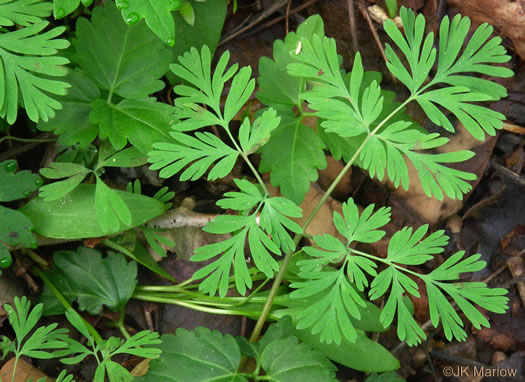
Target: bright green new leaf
pixel 141 122
pixel 453 68
pixel 16 185
pixel 186 11
pixel 199 152
pixel 71 123
pixel 23 12
pixel 201 355
pixel 84 276
pixel 75 215
pixel 27 58
pixel 293 154
pixel 121 59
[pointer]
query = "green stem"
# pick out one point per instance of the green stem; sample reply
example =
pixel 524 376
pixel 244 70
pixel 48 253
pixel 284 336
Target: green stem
pixel 121 324
pixel 280 276
pixel 147 297
pixel 386 261
pixel 247 160
pixel 36 257
pixel 28 140
pixel 64 302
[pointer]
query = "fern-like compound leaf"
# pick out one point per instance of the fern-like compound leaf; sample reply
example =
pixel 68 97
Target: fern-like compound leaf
pixel 453 65
pixel 27 58
pixel 232 253
pixel 330 315
pixel 207 88
pixel 202 151
pixel 23 12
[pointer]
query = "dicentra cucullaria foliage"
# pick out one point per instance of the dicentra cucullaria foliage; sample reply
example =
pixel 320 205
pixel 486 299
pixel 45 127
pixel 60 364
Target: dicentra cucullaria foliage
pixel 106 93
pixel 363 124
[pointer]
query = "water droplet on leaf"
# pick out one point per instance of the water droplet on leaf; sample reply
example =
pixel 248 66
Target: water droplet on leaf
pixel 123 4
pixel 87 3
pixel 59 13
pixel 6 261
pixel 34 244
pixel 39 182
pixel 26 193
pixel 170 41
pixel 132 18
pixel 10 165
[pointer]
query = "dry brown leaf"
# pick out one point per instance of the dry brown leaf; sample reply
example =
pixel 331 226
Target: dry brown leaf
pixel 24 372
pixel 501 341
pixel 508 17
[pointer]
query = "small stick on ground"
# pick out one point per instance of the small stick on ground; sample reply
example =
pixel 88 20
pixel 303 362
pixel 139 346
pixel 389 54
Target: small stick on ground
pixel 353 26
pixel 287 17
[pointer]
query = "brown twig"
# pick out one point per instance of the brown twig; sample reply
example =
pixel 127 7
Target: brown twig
pixel 280 18
pixel 264 14
pixel 287 16
pixel 353 26
pixel 372 29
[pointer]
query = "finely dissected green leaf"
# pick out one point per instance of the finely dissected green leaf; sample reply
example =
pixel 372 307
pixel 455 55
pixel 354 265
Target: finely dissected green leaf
pixel 452 68
pixel 122 60
pixel 350 107
pixel 23 320
pixel 111 209
pixel 252 136
pixel 23 12
pixel 247 199
pixel 276 87
pixel 83 275
pixel 286 360
pixel 464 294
pixel 16 228
pixel 407 248
pixel 389 148
pixel 75 215
pixel 232 252
pixel 330 314
pixel 207 89
pixel 157 14
pixel 199 152
pixel 201 355
pixel 209 19
pixel 293 154
pixel 71 123
pixel 141 122
pixel 16 185
pixel 27 60
pixel 275 220
pixel 74 173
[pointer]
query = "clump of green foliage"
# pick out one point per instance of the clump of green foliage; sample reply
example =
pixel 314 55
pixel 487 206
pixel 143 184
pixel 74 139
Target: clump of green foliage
pixel 105 116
